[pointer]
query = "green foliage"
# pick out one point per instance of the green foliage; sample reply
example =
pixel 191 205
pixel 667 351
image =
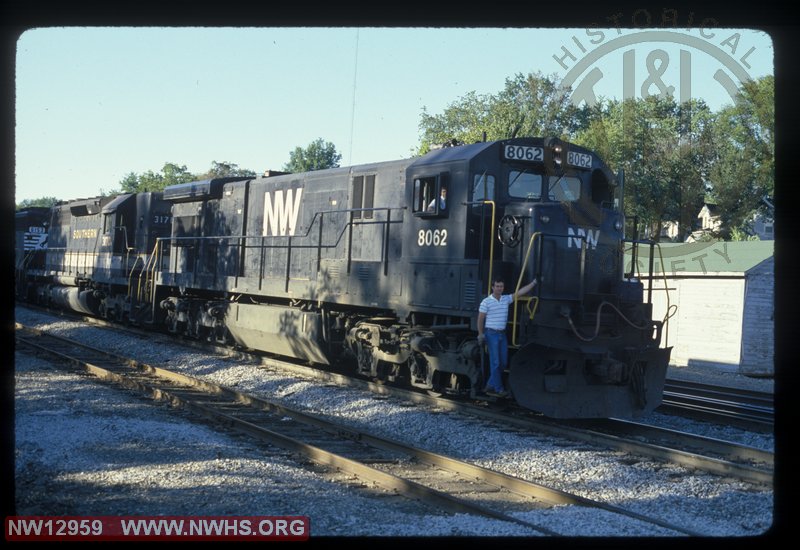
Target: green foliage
pixel 740 234
pixel 672 154
pixel 318 155
pixel 226 170
pixel 173 174
pixel 707 237
pixel 43 201
pixel 532 105
pixel 743 167
pixel 663 148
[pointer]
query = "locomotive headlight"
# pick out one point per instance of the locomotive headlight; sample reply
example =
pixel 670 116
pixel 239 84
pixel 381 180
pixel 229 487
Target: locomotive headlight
pixel 557 156
pixel 618 224
pixel 544 218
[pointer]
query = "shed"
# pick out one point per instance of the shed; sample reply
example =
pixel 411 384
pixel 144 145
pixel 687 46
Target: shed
pixel 725 298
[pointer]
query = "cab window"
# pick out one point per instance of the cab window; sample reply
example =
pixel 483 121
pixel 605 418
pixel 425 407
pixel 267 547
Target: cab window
pixel 430 196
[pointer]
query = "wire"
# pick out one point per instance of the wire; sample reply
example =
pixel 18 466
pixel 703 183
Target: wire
pixel 353 109
pixel 597 322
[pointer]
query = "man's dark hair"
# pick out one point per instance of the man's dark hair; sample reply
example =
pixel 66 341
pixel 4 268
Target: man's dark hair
pixel 498 280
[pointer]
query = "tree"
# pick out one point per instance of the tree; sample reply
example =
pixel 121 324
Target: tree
pixel 743 171
pixel 528 105
pixel 225 169
pixel 318 155
pixel 664 149
pixel 42 201
pixel 171 174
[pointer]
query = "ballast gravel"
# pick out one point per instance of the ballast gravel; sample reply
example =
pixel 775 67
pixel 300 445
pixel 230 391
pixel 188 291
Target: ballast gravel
pixel 108 452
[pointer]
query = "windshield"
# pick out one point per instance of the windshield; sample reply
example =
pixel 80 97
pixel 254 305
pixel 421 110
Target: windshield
pixel 563 188
pixel 524 185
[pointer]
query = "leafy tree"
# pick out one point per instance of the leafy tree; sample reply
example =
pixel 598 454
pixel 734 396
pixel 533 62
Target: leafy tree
pixel 225 169
pixel 741 234
pixel 664 149
pixel 42 201
pixel 743 170
pixel 528 105
pixel 318 155
pixel 171 174
pixel 672 154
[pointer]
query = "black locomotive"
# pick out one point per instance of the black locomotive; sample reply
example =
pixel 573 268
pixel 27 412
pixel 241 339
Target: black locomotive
pixel 383 265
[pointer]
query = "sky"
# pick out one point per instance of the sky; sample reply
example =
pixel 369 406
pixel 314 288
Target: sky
pixel 96 103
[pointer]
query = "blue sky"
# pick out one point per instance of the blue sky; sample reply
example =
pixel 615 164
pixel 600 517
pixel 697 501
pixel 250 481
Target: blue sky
pixel 93 104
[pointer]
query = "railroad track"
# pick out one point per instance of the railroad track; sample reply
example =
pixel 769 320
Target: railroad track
pixel 437 480
pixel 689 450
pixel 748 409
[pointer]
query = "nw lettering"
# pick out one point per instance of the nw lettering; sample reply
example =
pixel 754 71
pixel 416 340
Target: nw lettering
pixel 280 216
pixel 591 235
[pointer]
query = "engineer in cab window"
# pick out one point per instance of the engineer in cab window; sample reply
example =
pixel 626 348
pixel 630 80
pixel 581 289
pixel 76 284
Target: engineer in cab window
pixel 442 202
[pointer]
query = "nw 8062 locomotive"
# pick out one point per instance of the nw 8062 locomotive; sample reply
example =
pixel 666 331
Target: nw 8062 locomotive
pixel 384 265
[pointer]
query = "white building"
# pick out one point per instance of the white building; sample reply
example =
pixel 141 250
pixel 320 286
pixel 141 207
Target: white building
pixel 709 218
pixel 725 298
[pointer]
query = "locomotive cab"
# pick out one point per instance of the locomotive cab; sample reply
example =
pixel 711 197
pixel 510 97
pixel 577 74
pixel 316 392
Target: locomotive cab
pixel 584 344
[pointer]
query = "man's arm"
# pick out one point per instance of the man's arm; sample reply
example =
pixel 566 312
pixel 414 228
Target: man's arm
pixel 481 323
pixel 525 289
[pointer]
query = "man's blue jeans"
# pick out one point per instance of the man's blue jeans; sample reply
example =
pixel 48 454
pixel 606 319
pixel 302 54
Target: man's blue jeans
pixel 498 358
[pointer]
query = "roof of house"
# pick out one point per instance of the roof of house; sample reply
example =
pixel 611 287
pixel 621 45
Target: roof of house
pixel 711 208
pixel 703 257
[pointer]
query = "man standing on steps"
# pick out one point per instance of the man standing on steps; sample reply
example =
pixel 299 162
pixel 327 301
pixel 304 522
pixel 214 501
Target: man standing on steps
pixel 492 320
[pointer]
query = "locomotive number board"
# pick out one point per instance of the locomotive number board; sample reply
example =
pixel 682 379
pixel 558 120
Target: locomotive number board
pixel 581 160
pixel 521 152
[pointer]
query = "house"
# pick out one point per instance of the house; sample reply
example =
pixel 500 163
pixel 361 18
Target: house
pixel 725 298
pixel 669 230
pixel 709 218
pixel 762 226
pixel 708 223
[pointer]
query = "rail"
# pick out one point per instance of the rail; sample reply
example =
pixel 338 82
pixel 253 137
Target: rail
pixel 417 473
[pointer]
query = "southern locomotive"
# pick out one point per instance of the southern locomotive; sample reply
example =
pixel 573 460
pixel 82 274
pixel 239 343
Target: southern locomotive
pixel 376 266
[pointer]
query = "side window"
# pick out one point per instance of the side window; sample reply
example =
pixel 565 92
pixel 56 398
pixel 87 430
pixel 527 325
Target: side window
pixel 430 196
pixel 482 188
pixel 364 196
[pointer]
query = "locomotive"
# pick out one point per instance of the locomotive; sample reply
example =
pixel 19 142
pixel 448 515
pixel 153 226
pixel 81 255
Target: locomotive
pixel 383 266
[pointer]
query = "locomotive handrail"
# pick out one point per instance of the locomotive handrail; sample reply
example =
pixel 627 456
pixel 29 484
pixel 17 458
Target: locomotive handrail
pixel 130 275
pixel 491 246
pixel 533 238
pixel 241 240
pixel 634 263
pixel 148 271
pixel 306 234
pixel 519 284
